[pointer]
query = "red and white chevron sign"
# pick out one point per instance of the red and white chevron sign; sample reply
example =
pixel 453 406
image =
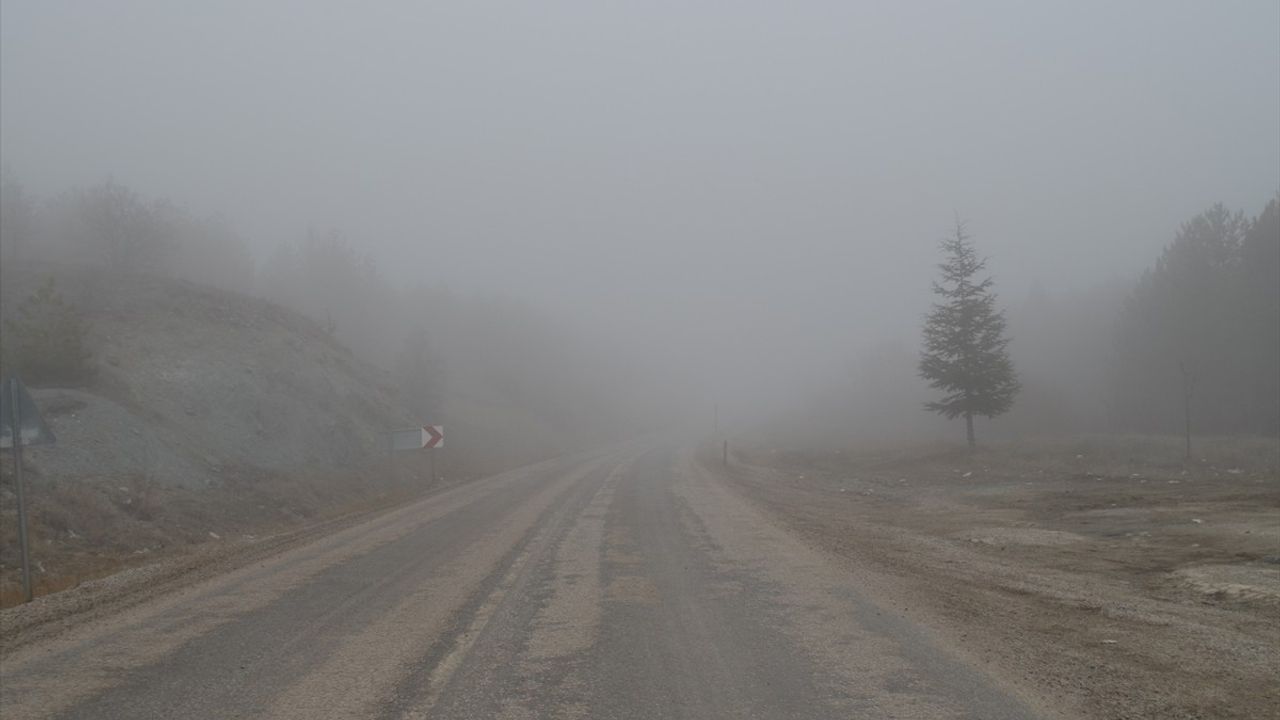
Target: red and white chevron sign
pixel 434 436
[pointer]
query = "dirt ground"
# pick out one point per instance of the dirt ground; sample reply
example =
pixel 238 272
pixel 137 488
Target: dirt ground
pixel 84 530
pixel 1105 577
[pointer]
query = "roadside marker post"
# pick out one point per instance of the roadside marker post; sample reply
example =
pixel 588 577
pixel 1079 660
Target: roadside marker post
pixel 433 436
pixel 435 442
pixel 20 425
pixel 429 437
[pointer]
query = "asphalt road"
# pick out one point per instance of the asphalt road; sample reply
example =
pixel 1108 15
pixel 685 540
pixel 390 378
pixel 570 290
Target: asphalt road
pixel 626 584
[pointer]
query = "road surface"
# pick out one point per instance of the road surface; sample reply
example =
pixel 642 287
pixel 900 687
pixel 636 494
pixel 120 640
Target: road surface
pixel 630 583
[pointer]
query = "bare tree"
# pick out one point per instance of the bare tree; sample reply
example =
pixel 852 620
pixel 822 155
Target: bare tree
pixel 119 228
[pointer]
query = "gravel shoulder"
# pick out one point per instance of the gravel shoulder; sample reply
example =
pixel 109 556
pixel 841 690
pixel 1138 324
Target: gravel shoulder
pixel 1106 589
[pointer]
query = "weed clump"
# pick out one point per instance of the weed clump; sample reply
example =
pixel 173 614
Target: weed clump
pixel 46 342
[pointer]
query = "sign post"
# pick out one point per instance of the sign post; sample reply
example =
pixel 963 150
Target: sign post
pixel 20 424
pixel 434 441
pixel 430 437
pixel 15 409
pixel 433 436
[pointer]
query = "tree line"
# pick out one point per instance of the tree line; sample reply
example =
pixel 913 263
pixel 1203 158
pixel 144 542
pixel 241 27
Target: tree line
pixel 112 226
pixel 1200 332
pixel 1193 346
pixel 1195 338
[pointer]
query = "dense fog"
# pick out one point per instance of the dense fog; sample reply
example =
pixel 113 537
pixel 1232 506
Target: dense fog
pixel 610 218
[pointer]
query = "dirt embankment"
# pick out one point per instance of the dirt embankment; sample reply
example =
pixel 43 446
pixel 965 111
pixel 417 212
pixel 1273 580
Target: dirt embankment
pixel 208 416
pixel 1104 576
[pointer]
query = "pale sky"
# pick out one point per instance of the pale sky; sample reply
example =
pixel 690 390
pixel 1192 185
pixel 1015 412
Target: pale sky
pixel 702 181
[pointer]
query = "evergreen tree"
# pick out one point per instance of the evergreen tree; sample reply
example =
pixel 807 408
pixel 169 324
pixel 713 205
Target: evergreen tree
pixel 1260 320
pixel 1200 333
pixel 965 350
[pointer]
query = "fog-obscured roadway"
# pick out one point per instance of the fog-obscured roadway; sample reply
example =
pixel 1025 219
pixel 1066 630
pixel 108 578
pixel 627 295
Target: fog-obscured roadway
pixel 630 583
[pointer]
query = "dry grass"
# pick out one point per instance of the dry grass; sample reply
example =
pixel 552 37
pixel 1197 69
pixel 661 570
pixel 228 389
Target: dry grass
pixel 81 530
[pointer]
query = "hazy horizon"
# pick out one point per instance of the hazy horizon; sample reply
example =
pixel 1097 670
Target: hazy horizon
pixel 744 192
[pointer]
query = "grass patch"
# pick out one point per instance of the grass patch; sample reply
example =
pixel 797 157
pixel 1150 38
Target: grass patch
pixel 84 530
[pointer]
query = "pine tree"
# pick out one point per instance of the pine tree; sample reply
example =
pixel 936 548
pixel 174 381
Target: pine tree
pixel 965 351
pixel 1200 332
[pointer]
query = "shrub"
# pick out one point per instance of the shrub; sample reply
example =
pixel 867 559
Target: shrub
pixel 46 340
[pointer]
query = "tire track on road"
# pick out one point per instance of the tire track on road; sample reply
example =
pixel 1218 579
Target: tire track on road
pixel 481 668
pixel 225 638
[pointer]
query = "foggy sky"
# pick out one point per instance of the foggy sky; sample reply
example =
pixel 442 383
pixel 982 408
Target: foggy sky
pixel 753 189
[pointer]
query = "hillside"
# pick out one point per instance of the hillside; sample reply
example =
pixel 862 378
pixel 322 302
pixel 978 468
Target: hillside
pixel 207 412
pixel 191 380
